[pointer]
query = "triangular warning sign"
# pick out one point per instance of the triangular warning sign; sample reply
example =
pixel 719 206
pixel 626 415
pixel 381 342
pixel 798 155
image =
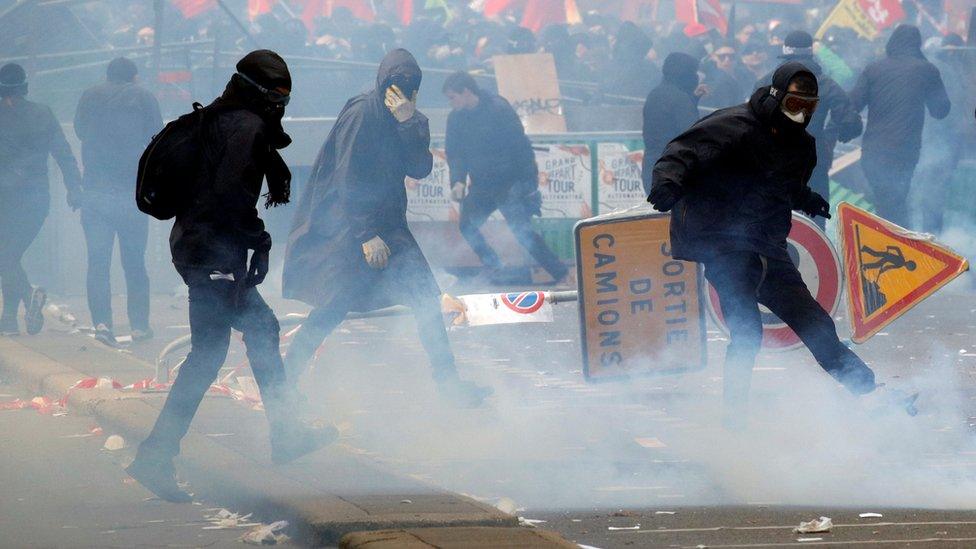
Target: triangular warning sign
pixel 889 269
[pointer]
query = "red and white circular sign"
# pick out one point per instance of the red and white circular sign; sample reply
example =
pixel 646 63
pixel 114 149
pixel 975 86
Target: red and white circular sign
pixel 818 263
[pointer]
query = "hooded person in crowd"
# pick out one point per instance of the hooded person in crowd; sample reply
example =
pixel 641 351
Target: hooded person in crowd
pixel 896 91
pixel 670 108
pixel 115 120
pixel 732 181
pixel 29 133
pixel 845 122
pixel 630 72
pixel 350 248
pixel 492 167
pixel 241 133
pixel 945 141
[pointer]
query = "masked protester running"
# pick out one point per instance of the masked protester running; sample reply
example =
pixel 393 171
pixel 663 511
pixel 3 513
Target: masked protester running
pixel 845 122
pixel 897 90
pixel 350 247
pixel 492 167
pixel 731 182
pixel 29 133
pixel 115 121
pixel 210 242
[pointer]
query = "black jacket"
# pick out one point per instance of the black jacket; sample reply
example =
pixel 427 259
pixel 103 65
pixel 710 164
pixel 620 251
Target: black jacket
pixel 896 91
pixel 740 180
pixel 29 132
pixel 115 122
pixel 670 109
pixel 356 192
pixel 222 224
pixel 488 143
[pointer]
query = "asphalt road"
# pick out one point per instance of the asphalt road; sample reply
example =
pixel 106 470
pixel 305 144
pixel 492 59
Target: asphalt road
pixel 61 488
pixel 551 447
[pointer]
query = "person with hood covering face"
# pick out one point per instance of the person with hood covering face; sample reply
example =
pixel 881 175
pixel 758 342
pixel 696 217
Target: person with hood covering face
pixel 241 133
pixel 896 91
pixel 845 122
pixel 731 182
pixel 29 133
pixel 350 248
pixel 670 108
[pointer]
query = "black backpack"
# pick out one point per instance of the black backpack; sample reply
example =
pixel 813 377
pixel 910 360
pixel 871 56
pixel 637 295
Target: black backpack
pixel 170 166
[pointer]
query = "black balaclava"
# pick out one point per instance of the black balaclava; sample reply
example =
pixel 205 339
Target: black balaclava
pixel 13 80
pixel 681 70
pixel 121 70
pixel 400 68
pixel 269 70
pixel 906 41
pixel 765 102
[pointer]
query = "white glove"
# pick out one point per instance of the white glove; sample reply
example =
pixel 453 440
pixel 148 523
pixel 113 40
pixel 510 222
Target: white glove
pixel 400 106
pixel 458 191
pixel 377 253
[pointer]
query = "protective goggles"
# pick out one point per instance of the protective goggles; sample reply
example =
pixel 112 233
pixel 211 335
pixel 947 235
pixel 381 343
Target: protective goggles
pixel 273 96
pixel 794 103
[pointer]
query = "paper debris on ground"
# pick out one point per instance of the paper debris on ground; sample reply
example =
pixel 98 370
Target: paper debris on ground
pixel 650 442
pixel 225 519
pixel 823 524
pixel 870 515
pixel 114 442
pixel 266 534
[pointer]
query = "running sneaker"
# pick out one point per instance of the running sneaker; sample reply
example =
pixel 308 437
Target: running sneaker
pixel 34 318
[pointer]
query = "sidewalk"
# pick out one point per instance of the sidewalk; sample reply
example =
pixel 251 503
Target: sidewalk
pixel 226 455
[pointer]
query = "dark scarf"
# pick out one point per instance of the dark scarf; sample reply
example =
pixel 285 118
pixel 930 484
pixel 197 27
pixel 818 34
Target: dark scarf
pixel 239 95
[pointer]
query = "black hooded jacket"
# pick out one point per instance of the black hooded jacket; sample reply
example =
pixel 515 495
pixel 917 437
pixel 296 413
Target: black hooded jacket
pixel 670 108
pixel 221 224
pixel 741 171
pixel 488 143
pixel 896 91
pixel 356 192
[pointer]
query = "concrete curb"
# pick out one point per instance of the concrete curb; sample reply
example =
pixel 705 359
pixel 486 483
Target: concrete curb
pixel 226 476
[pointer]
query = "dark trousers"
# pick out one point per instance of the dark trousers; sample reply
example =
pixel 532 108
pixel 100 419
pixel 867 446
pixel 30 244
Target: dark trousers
pixel 324 319
pixel 216 307
pixel 21 219
pixel 743 280
pixel 102 223
pixel 890 179
pixel 475 210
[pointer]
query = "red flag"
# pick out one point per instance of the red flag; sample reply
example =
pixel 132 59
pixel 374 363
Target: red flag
pixel 697 13
pixel 361 9
pixel 193 8
pixel 259 7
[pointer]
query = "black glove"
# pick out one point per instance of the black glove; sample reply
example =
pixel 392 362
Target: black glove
pixel 816 205
pixel 664 197
pixel 258 268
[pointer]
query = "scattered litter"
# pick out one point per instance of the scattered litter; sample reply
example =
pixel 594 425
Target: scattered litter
pixel 225 519
pixel 870 515
pixel 809 539
pixel 664 512
pixel 650 442
pixel 266 534
pixel 530 522
pixel 114 442
pixel 507 506
pixel 612 528
pixel 823 524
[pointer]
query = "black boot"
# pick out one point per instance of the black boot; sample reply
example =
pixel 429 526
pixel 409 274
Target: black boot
pixel 463 393
pixel 159 477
